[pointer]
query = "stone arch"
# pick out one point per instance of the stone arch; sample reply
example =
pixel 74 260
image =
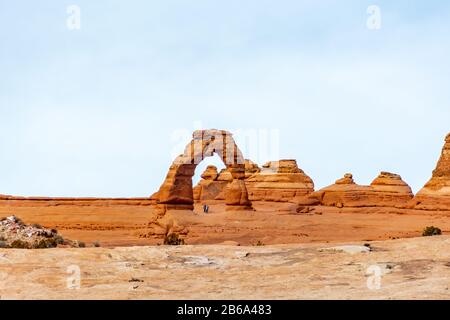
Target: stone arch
pixel 176 190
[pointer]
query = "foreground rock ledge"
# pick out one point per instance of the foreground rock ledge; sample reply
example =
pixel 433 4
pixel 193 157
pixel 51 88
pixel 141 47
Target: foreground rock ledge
pixel 410 268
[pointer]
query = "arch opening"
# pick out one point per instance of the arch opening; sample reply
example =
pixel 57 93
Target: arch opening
pixel 214 161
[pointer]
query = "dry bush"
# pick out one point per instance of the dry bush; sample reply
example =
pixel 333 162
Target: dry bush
pixel 431 231
pixel 173 239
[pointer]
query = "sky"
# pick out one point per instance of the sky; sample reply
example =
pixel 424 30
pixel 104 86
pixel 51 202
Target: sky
pixel 102 110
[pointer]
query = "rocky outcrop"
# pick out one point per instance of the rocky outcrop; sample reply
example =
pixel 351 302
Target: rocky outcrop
pixel 251 168
pixel 347 179
pixel 279 181
pixel 391 189
pixel 210 173
pixel 225 175
pixel 237 196
pixel 344 192
pixel 435 195
pixel 209 188
pixel 387 190
pixel 14 233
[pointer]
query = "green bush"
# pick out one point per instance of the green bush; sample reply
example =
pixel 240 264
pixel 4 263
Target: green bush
pixel 431 231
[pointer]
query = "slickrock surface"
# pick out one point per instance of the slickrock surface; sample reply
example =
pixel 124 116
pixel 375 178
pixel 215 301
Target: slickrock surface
pixel 435 195
pixel 409 269
pixel 387 190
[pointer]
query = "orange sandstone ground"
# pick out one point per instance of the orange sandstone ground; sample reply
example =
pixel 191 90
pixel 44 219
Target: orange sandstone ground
pixel 115 223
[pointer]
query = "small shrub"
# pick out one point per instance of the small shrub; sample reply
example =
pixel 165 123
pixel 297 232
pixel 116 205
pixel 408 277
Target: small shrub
pixel 81 244
pixel 431 231
pixel 37 226
pixel 259 244
pixel 96 244
pixel 3 244
pixel 173 239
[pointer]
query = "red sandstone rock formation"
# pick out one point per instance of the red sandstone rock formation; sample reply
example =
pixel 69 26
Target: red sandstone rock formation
pixel 435 195
pixel 236 195
pixel 177 192
pixel 392 188
pixel 213 187
pixel 251 168
pixel 347 179
pixel 279 181
pixel 387 190
pixel 209 188
pixel 225 175
pixel 210 173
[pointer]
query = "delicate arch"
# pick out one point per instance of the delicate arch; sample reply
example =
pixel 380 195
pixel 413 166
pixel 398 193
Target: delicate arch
pixel 177 187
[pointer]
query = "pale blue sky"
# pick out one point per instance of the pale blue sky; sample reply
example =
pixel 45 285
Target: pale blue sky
pixel 93 112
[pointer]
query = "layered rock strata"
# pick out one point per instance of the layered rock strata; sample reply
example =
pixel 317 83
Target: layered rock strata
pixel 279 181
pixel 387 190
pixel 210 188
pixel 435 195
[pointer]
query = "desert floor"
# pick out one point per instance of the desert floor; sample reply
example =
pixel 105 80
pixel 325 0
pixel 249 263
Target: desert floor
pixel 221 259
pixel 393 269
pixel 271 223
